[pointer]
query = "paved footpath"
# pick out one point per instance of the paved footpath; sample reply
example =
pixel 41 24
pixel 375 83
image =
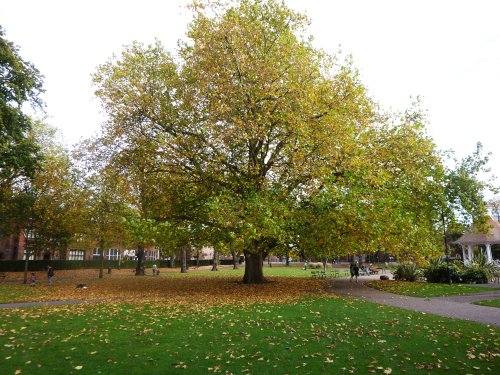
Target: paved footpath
pixel 451 307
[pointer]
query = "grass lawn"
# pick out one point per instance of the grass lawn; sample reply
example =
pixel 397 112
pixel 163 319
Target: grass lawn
pixel 489 302
pixel 208 322
pixel 309 335
pixel 422 289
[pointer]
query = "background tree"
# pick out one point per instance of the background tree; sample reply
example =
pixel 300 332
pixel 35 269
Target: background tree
pixel 104 199
pixel 464 204
pixel 20 84
pixel 494 206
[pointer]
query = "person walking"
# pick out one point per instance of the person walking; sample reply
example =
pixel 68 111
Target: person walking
pixel 50 274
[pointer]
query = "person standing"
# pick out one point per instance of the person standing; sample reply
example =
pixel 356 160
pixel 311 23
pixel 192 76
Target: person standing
pixel 50 274
pixel 32 279
pixel 356 271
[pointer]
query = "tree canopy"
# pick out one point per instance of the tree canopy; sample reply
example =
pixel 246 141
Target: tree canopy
pixel 251 134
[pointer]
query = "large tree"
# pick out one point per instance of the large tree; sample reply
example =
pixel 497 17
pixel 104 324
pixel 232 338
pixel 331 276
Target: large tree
pixel 250 110
pixel 252 135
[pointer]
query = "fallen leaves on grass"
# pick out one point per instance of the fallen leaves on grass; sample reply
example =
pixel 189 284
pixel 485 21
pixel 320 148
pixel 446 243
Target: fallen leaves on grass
pixel 173 290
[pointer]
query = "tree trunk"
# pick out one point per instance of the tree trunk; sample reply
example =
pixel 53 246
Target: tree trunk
pixel 287 261
pixel 101 258
pixel 269 260
pixel 235 260
pixel 139 270
pixel 254 273
pixel 215 261
pixel 183 260
pixel 26 262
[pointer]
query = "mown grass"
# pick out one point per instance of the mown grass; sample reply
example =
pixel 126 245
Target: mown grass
pixel 311 335
pixel 489 302
pixel 422 289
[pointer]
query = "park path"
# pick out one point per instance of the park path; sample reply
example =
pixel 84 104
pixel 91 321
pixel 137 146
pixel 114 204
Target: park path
pixel 452 307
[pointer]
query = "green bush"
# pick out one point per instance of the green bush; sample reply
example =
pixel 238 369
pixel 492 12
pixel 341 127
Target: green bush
pixel 479 265
pixel 439 271
pixel 408 272
pixel 474 275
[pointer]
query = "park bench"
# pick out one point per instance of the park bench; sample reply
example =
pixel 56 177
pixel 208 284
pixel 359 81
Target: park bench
pixel 339 273
pixel 315 274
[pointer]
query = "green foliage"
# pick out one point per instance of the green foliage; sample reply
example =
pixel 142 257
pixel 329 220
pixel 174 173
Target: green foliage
pixel 440 271
pixel 20 83
pixel 474 275
pixel 408 271
pixel 478 270
pixel 463 203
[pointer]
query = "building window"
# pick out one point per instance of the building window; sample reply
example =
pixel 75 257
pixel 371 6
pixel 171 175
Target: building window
pixel 96 254
pixel 151 254
pixel 112 254
pixel 76 255
pixel 32 255
pixel 129 254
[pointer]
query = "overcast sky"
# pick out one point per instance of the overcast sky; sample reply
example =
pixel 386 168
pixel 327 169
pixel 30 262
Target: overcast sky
pixel 447 52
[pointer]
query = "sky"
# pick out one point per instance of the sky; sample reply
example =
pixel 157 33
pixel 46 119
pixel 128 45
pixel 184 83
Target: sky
pixel 446 52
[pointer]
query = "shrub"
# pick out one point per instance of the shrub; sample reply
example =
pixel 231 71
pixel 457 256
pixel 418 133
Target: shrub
pixel 407 272
pixel 439 271
pixel 474 275
pixel 478 265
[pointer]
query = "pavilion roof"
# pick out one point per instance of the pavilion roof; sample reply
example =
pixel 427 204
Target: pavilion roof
pixel 473 237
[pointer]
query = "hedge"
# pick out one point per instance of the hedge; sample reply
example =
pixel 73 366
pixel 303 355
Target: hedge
pixel 57 264
pixel 64 264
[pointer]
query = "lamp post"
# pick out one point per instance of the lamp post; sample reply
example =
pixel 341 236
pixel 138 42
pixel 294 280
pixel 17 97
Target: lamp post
pixel 448 268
